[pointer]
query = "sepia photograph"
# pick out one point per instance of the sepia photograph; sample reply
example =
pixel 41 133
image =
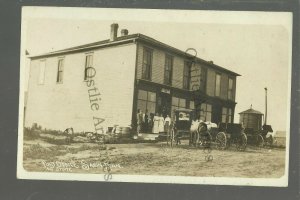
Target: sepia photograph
pixel 158 96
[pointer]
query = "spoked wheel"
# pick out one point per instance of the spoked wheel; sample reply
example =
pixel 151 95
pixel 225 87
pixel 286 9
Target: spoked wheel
pixel 241 142
pixel 221 141
pixel 260 141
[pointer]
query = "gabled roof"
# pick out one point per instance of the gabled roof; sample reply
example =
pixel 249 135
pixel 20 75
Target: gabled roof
pixel 127 39
pixel 251 111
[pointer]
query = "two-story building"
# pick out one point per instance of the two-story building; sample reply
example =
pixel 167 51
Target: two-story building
pixel 108 81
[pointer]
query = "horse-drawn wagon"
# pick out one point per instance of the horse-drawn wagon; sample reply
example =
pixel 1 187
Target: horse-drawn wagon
pixel 231 134
pixel 185 126
pixel 257 133
pixel 199 133
pixel 180 125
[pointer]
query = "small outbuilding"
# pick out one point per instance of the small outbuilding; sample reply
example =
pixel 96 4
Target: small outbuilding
pixel 251 119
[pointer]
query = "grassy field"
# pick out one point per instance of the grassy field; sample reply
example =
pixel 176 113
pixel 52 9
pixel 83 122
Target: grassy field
pixel 152 159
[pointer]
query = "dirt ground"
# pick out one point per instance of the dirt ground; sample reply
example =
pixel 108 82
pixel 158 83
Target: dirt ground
pixel 153 159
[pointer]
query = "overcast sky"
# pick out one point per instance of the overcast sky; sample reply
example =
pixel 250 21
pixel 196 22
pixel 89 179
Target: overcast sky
pixel 254 44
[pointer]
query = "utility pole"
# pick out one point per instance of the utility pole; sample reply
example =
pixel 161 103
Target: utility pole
pixel 266 105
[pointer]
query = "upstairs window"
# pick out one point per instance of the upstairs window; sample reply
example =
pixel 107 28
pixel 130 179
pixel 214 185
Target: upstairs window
pixel 230 89
pixel 168 69
pixel 88 63
pixel 147 64
pixel 186 75
pixel 42 72
pixel 218 85
pixel 60 71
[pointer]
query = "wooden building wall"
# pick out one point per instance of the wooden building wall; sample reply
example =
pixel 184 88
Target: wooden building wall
pixel 62 105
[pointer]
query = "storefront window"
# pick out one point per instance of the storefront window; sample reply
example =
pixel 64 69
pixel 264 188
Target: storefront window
pixel 146 101
pixel 177 103
pixel 226 115
pixel 192 105
pixel 206 112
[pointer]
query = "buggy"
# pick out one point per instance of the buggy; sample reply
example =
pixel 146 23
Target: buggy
pixel 231 133
pixel 184 127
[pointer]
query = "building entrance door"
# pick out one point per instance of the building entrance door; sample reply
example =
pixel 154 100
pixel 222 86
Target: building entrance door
pixel 164 104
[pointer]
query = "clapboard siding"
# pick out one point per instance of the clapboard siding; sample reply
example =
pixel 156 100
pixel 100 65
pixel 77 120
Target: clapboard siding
pixel 211 82
pixel 178 72
pixel 158 66
pixel 195 76
pixel 62 105
pixel 234 87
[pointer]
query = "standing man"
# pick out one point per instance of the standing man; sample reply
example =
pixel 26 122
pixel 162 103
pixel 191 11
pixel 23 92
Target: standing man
pixel 139 120
pixel 167 124
pixel 146 120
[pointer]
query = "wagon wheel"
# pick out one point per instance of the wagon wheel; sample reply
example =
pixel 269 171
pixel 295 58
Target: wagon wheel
pixel 221 141
pixel 241 142
pixel 260 141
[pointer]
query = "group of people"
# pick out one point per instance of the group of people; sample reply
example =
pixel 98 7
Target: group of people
pixel 152 123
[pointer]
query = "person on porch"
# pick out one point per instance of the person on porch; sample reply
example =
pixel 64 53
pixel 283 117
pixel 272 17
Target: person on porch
pixel 161 123
pixel 155 128
pixel 167 124
pixel 139 121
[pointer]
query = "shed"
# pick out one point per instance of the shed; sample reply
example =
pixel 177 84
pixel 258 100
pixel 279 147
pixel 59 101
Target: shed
pixel 251 119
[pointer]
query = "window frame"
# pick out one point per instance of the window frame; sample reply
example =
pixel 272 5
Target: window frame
pixel 219 87
pixel 205 111
pixel 192 102
pixel 227 114
pixel 60 72
pixel 43 74
pixel 147 100
pixel 177 106
pixel 186 78
pixel 146 65
pixel 170 70
pixel 230 90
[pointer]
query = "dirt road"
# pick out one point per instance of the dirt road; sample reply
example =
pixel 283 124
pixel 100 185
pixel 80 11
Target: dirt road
pixel 153 159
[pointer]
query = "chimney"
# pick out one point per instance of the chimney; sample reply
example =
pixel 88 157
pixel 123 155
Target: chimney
pixel 124 32
pixel 113 32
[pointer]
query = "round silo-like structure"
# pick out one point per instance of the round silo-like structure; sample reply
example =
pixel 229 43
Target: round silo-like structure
pixel 251 119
